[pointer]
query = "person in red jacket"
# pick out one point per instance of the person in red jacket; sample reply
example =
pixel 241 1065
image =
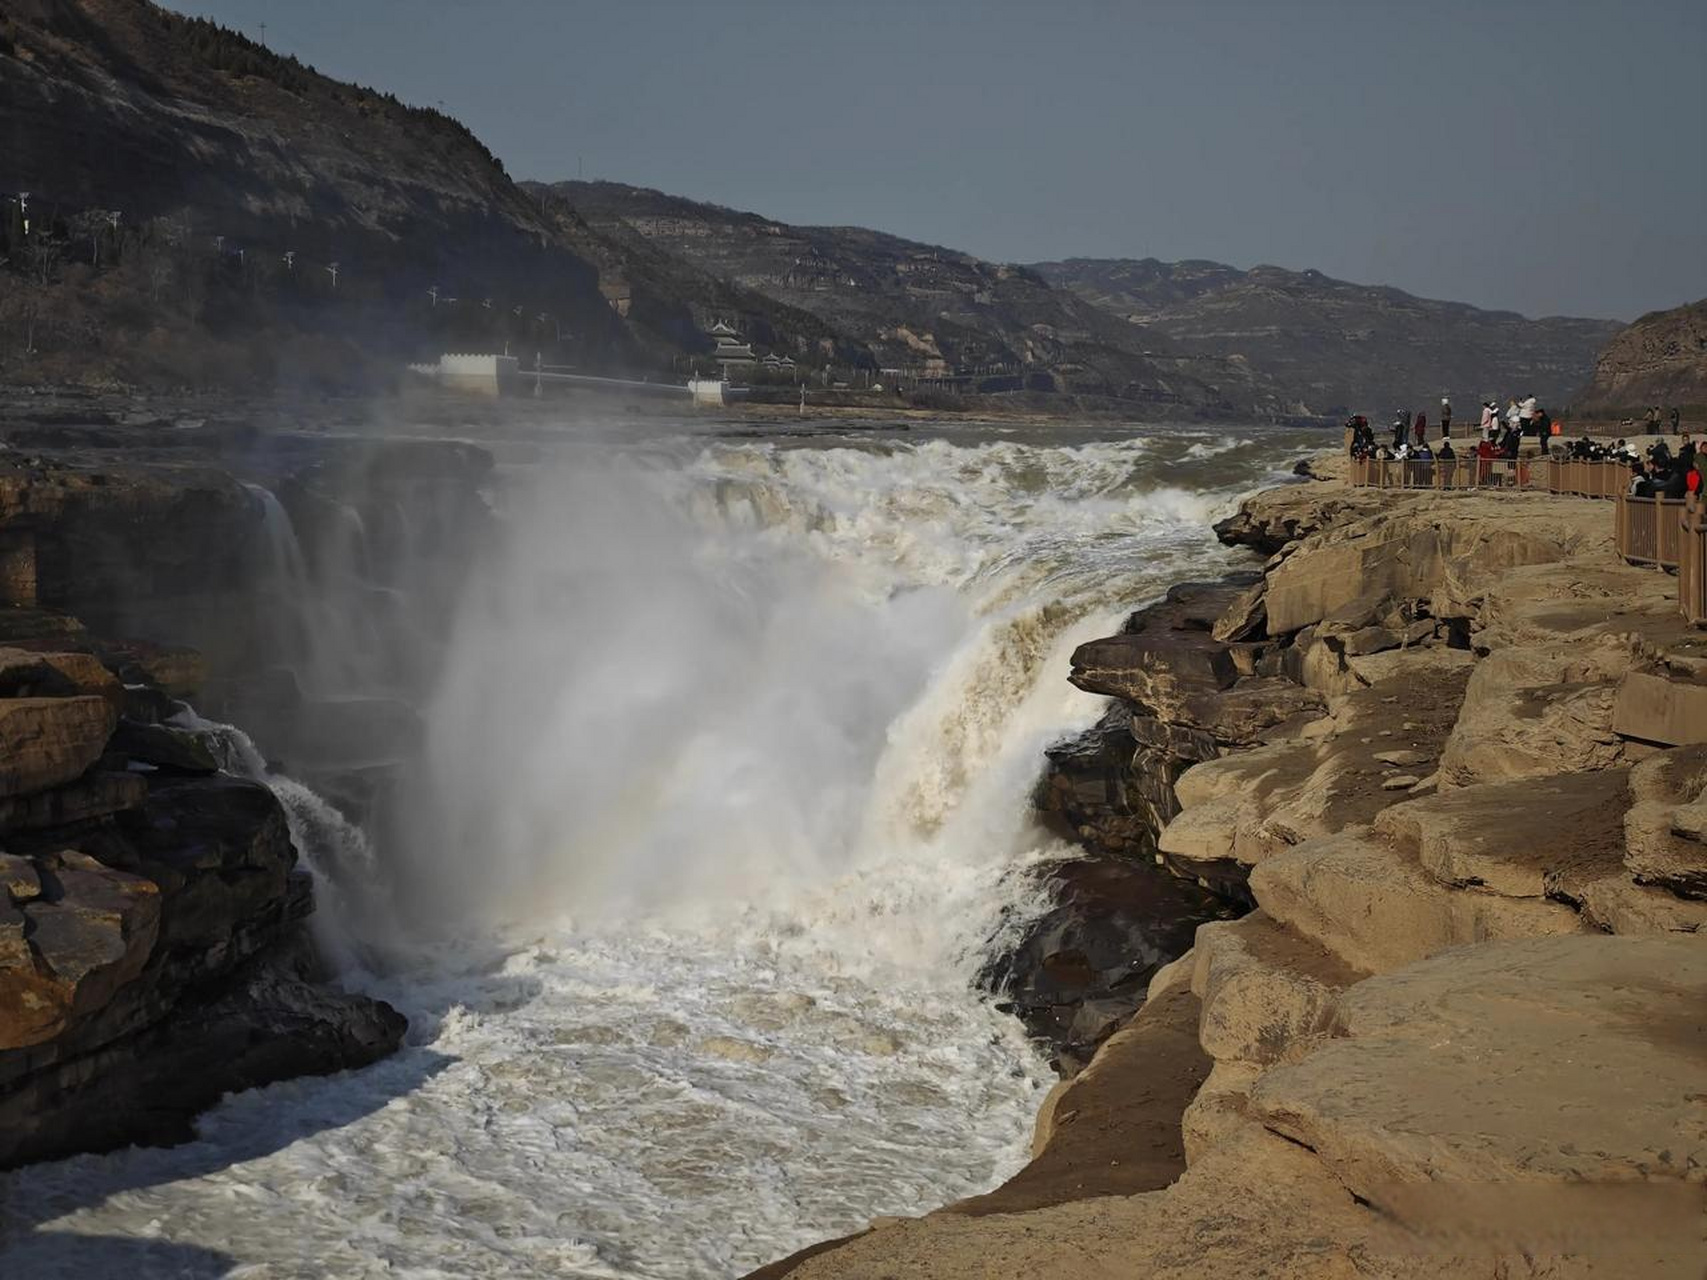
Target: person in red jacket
pixel 1421 426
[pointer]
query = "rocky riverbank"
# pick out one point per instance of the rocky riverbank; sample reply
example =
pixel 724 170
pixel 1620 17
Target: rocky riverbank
pixel 1453 754
pixel 154 949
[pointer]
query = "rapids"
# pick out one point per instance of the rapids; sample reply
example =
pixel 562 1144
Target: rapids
pixel 724 783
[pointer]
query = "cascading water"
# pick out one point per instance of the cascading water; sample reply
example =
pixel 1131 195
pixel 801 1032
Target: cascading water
pixel 335 851
pixel 722 790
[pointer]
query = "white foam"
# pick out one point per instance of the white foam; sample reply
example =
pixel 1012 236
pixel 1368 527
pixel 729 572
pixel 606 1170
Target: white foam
pixel 725 780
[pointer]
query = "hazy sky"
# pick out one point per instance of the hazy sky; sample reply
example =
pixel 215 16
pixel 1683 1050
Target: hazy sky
pixel 1548 157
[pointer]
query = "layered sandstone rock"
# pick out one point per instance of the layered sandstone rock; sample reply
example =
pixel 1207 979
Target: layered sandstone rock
pixel 151 956
pixel 153 949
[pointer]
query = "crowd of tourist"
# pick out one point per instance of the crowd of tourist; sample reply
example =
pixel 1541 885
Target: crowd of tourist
pixel 1499 433
pixel 1660 473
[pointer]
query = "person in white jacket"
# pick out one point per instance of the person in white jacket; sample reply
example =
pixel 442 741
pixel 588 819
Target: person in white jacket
pixel 1513 414
pixel 1489 417
pixel 1526 412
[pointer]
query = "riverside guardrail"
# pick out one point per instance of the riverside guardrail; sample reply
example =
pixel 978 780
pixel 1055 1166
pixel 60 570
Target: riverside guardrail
pixel 1587 479
pixel 1650 530
pixel 1692 562
pixel 1468 472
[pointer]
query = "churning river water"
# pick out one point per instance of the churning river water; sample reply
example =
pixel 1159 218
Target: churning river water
pixel 723 790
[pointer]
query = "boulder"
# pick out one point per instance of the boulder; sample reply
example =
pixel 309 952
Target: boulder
pixel 1617 904
pixel 85 673
pixel 1219 1109
pixel 48 741
pixel 1665 830
pixel 1080 969
pixel 1155 669
pixel 66 950
pixel 1535 838
pixel 1254 709
pixel 1415 551
pixel 1245 618
pixel 25 674
pixel 273 1020
pixel 1656 708
pixel 1377 909
pixel 1251 804
pixel 1513 1061
pixel 164 747
pixel 1536 710
pixel 1262 987
pixel 1091 792
pixel 97 794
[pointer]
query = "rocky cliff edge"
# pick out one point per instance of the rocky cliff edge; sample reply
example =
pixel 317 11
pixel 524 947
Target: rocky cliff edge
pixel 1453 752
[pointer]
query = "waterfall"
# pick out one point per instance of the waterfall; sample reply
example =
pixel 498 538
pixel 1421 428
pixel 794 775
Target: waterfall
pixel 349 892
pixel 721 789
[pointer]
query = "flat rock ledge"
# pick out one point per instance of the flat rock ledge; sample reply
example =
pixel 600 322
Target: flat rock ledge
pixel 1451 754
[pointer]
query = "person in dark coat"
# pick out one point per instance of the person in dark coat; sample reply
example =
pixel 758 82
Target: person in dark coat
pixel 1421 426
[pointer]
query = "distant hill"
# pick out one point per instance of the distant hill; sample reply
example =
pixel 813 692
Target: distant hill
pixel 1338 347
pixel 172 165
pixel 1661 359
pixel 181 206
pixel 928 310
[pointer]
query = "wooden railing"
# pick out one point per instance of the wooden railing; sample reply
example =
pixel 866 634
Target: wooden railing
pixel 1466 472
pixel 1650 530
pixel 1692 562
pixel 1587 479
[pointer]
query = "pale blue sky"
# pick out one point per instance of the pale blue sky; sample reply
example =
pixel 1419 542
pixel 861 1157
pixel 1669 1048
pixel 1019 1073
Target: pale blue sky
pixel 1547 157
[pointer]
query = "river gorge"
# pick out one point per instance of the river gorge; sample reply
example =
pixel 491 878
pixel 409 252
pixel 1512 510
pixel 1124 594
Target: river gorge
pixel 678 791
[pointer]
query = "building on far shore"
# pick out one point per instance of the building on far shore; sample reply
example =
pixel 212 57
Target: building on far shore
pixel 731 352
pixel 488 375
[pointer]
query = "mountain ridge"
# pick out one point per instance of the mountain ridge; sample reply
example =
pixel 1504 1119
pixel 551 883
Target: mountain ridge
pixel 1661 359
pixel 1327 341
pixel 207 211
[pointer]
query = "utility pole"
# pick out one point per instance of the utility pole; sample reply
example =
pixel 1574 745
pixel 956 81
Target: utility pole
pixel 263 35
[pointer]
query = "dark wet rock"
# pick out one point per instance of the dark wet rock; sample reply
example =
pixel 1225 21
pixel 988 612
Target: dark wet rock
pixel 163 747
pixel 1079 970
pixel 273 1020
pixel 1090 790
pixel 1245 617
pixel 152 954
pixel 96 794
